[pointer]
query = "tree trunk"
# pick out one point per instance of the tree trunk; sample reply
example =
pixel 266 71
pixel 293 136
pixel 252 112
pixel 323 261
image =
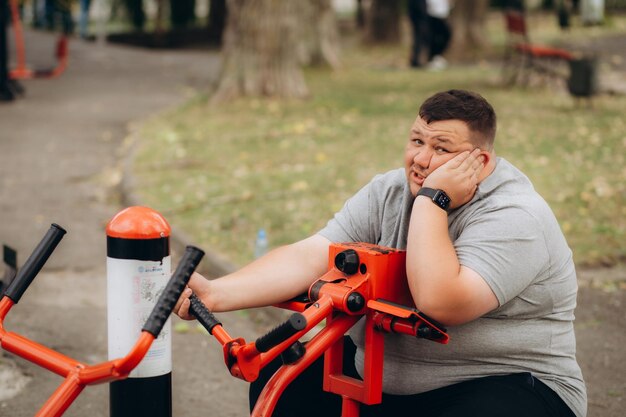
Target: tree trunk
pixel 319 45
pixel 383 21
pixel 467 20
pixel 263 47
pixel 360 14
pixel 158 20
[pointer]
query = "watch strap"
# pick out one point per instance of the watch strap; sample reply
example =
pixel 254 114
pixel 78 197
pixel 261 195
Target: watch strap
pixel 428 192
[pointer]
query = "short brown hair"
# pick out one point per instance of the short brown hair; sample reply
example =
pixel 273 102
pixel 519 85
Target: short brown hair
pixel 469 107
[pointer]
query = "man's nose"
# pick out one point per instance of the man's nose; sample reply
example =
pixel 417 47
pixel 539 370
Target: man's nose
pixel 422 158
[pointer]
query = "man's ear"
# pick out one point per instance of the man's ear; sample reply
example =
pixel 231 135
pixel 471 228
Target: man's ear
pixel 485 157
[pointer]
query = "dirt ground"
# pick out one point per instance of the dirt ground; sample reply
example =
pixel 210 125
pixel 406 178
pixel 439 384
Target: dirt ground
pixel 601 337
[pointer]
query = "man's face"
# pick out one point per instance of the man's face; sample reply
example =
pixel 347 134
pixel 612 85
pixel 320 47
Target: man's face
pixel 432 145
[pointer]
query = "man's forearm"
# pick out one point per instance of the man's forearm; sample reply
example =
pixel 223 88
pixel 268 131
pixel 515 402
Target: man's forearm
pixel 432 264
pixel 278 276
pixel 441 287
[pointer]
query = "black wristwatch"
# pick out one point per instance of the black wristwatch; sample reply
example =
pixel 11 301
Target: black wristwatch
pixel 439 197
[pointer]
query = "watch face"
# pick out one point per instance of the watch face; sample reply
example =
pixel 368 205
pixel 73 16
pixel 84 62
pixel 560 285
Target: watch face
pixel 442 200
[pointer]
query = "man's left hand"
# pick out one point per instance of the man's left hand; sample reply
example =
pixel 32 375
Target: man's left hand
pixel 458 177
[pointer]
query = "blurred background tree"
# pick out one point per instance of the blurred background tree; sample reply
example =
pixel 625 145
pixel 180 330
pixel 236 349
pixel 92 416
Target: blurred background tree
pixel 382 23
pixel 468 21
pixel 267 42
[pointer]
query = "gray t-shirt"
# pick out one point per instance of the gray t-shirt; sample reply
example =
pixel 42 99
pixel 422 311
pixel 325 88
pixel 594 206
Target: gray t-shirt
pixel 507 234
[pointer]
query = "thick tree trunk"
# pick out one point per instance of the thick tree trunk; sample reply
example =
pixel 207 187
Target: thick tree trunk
pixel 267 41
pixel 468 20
pixel 383 21
pixel 260 51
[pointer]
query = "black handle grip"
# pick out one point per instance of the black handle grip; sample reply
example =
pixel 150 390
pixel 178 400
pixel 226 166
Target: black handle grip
pixel 204 316
pixel 280 333
pixel 175 286
pixel 35 262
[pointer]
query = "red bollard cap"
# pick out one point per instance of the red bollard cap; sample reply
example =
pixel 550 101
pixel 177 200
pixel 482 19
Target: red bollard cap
pixel 138 223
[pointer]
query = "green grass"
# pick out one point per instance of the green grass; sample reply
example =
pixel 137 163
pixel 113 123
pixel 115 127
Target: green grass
pixel 222 172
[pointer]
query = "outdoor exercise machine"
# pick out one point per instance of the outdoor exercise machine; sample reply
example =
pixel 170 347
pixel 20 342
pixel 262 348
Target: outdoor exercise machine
pixel 363 281
pixel 22 71
pixel 78 375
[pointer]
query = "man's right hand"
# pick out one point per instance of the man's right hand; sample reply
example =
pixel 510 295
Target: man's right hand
pixel 280 275
pixel 197 284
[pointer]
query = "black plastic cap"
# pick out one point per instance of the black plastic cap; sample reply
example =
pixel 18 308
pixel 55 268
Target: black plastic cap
pixel 282 332
pixel 347 261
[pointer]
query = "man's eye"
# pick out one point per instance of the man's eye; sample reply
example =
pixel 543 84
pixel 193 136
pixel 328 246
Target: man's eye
pixel 441 150
pixel 417 141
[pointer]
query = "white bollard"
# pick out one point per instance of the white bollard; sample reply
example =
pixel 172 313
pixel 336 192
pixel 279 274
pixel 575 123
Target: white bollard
pixel 138 268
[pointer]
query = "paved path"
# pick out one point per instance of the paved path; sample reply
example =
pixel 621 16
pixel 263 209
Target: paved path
pixel 61 150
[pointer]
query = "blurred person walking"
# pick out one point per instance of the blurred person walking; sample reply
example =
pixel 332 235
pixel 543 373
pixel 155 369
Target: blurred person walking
pixel 439 33
pixel 83 19
pixel 420 30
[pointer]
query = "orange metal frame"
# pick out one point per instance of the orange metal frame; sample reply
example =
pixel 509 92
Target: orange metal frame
pixel 21 71
pixel 77 374
pixel 380 285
